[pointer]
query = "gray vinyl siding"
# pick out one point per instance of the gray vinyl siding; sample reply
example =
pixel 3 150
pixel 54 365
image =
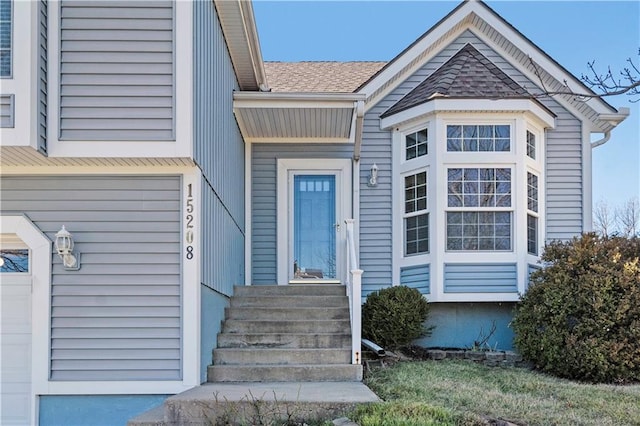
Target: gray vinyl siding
pixel 480 278
pixel 563 180
pixel 119 316
pixel 264 196
pixel 117 71
pixel 7 110
pixel 417 277
pixel 42 76
pixel 219 152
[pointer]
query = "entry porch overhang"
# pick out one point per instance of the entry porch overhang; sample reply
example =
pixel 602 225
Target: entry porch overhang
pixel 276 117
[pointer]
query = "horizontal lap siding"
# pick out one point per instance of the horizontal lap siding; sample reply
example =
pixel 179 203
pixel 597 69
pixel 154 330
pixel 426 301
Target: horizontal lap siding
pixel 417 277
pixel 117 70
pixel 119 316
pixel 219 151
pixel 480 278
pixel 264 196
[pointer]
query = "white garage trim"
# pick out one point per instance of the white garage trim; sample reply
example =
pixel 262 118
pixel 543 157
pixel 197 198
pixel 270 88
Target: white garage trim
pixel 40 265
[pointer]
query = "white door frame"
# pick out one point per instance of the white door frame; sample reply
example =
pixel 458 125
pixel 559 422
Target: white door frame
pixel 342 169
pixel 40 271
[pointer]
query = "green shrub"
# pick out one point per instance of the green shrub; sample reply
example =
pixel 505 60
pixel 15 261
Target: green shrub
pixel 394 317
pixel 580 318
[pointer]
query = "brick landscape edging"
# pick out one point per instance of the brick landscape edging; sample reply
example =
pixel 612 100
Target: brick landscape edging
pixel 488 358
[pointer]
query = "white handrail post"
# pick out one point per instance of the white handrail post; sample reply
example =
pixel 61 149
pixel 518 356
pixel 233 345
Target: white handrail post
pixel 353 280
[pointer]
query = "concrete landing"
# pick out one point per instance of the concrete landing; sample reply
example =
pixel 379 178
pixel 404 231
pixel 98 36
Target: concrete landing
pixel 259 403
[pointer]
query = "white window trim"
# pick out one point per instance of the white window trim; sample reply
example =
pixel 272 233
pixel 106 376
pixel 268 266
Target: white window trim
pixel 23 82
pixel 182 146
pixel 341 167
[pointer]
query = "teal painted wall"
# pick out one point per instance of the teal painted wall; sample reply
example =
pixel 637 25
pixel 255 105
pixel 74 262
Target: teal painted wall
pixel 212 306
pixel 94 410
pixel 458 325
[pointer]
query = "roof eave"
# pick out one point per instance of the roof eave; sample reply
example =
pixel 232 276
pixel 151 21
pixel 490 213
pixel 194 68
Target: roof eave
pixel 240 32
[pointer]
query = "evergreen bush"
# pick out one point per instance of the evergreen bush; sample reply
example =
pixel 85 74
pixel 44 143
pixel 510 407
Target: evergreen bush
pixel 580 319
pixel 394 317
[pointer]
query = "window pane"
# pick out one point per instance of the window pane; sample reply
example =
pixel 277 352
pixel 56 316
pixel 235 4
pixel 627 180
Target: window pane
pixel 532 192
pixel 454 144
pixel 416 144
pixel 415 192
pixel 473 138
pixel 14 260
pixel 454 132
pixel 417 234
pixel 531 145
pixel 480 231
pixel 532 234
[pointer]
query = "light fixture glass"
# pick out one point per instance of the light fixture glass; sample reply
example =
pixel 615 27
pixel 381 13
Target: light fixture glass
pixel 373 176
pixel 64 247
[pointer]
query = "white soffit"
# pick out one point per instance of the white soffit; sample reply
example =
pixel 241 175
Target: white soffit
pixel 16 156
pixel 240 33
pixel 297 117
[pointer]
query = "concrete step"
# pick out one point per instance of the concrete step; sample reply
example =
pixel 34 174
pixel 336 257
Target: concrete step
pixel 243 356
pixel 286 313
pixel 291 290
pixel 266 403
pixel 313 326
pixel 292 301
pixel 284 340
pixel 285 373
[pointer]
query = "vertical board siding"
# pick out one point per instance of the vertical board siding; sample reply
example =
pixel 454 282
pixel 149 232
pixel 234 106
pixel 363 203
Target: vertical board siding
pixel 264 177
pixel 7 110
pixel 417 277
pixel 119 316
pixel 223 245
pixel 480 278
pixel 219 152
pixel 117 79
pixel 42 77
pixel 563 180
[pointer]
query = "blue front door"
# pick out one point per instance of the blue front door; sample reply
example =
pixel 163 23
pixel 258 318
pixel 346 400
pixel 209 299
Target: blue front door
pixel 314 226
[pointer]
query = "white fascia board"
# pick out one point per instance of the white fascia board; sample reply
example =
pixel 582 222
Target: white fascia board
pixel 297 140
pixel 295 100
pixel 539 57
pixel 468 105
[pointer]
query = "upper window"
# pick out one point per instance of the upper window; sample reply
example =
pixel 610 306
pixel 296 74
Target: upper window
pixel 531 145
pixel 5 38
pixel 14 260
pixel 478 138
pixel 416 218
pixel 416 144
pixel 532 213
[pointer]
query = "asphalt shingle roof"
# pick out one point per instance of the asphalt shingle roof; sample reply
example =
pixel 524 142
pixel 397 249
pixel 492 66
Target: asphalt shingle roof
pixel 468 74
pixel 342 77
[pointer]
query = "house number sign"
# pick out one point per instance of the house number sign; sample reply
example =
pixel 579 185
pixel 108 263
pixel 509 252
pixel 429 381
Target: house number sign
pixel 189 223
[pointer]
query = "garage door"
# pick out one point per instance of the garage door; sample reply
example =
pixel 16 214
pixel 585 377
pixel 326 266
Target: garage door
pixel 15 332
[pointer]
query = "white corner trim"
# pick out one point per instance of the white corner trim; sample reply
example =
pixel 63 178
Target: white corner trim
pixel 40 247
pixel 248 212
pixel 191 278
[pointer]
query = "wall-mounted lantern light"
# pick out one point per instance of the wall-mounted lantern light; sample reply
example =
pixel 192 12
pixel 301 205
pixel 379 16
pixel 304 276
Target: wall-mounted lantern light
pixel 64 247
pixel 373 176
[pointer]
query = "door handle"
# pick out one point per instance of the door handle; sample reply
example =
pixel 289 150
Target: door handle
pixel 337 226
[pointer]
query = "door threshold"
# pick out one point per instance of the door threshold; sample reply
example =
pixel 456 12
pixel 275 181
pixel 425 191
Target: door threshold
pixel 313 282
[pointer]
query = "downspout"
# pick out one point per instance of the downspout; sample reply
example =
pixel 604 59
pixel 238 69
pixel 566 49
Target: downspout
pixel 359 106
pixel 605 139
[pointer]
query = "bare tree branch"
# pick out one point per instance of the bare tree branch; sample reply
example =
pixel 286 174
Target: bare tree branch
pixel 604 84
pixel 628 218
pixel 603 219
